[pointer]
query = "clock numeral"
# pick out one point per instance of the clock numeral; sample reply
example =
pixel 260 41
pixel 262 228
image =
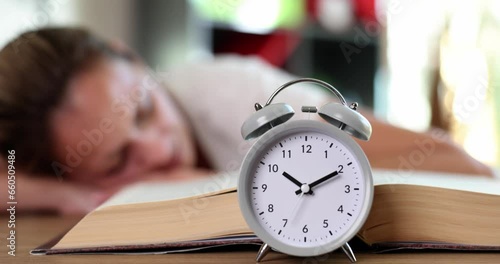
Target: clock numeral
pixel 347 189
pixel 326 154
pixel 273 167
pixel 325 223
pixel 287 153
pixel 264 187
pixel 286 221
pixel 341 209
pixel 305 229
pixel 306 149
pixel 270 208
pixel 340 169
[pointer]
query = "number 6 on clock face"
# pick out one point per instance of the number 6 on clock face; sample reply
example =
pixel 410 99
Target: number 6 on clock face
pixel 306 188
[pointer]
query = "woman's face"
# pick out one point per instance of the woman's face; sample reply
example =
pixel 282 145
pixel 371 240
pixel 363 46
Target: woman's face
pixel 116 125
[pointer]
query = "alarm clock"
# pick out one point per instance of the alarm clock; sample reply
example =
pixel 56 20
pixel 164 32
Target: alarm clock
pixel 305 186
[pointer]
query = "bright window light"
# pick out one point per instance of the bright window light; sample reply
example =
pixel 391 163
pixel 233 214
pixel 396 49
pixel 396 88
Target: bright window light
pixel 253 16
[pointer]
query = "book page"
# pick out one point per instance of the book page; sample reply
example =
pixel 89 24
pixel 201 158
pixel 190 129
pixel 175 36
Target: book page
pixel 181 221
pixel 161 191
pixel 454 181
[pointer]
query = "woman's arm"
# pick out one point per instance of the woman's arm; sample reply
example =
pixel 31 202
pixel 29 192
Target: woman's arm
pixel 48 194
pixel 396 148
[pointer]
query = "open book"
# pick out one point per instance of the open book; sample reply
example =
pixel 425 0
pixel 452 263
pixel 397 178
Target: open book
pixel 410 210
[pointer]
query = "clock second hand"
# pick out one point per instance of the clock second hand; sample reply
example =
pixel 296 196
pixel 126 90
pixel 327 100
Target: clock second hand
pixel 292 214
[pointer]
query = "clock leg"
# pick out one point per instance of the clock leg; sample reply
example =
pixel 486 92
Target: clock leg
pixel 264 249
pixel 348 251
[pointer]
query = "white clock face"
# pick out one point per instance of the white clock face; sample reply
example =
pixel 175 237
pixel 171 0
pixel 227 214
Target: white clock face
pixel 307 189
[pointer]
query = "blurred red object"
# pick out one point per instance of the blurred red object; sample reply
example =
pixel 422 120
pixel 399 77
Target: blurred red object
pixel 365 10
pixel 275 47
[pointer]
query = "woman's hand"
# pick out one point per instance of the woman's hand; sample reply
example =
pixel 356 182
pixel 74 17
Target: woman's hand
pixel 45 193
pixel 179 174
pixel 115 183
pixel 391 147
pixel 73 199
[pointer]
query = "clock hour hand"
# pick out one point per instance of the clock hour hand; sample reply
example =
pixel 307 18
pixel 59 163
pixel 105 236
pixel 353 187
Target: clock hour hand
pixel 319 181
pixel 292 179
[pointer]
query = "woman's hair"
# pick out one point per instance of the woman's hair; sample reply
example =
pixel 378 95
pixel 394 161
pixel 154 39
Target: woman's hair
pixel 34 72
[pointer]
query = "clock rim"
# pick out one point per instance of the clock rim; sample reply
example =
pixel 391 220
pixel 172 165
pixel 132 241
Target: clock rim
pixel 250 161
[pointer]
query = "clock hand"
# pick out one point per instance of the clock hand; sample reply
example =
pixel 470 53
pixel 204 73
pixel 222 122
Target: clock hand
pixel 295 207
pixel 319 181
pixel 295 181
pixel 323 179
pixel 292 179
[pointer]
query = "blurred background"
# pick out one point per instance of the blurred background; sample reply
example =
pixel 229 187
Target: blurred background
pixel 418 64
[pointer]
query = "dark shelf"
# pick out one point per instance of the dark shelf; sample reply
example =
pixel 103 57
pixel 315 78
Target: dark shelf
pixel 319 54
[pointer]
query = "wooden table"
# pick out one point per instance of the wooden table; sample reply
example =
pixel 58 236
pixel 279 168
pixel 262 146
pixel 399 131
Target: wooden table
pixel 33 230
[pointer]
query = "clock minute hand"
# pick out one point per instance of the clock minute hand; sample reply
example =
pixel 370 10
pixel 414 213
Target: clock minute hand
pixel 323 179
pixel 319 181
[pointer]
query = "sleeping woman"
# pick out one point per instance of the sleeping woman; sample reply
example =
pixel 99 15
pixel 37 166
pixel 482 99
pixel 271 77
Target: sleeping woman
pixel 87 117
